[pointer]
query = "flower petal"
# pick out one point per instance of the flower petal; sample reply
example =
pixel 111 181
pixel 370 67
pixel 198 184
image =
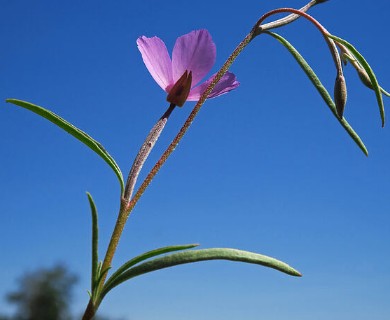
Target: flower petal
pixel 194 52
pixel 157 60
pixel 227 83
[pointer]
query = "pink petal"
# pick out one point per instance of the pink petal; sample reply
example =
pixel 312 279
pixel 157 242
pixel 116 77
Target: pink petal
pixel 194 52
pixel 157 60
pixel 227 83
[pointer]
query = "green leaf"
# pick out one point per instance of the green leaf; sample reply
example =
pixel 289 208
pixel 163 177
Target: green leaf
pixel 101 274
pixel 385 92
pixel 75 132
pixel 367 68
pixel 145 256
pixel 95 240
pixel 191 256
pixel 320 88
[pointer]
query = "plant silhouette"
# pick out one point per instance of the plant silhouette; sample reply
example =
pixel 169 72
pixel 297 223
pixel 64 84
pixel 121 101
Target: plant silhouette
pixel 44 294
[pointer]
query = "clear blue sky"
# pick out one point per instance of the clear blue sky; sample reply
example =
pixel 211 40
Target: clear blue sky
pixel 265 168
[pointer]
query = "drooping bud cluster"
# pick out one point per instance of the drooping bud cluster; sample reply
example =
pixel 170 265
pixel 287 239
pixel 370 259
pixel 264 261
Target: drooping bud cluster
pixel 366 74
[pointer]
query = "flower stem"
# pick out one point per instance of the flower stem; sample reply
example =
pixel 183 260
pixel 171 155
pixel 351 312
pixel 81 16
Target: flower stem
pixel 144 152
pixel 290 18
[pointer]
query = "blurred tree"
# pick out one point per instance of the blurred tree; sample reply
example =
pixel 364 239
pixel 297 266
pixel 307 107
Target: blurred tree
pixel 44 295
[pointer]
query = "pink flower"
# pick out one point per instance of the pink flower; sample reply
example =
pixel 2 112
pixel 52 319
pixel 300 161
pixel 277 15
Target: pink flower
pixel 192 58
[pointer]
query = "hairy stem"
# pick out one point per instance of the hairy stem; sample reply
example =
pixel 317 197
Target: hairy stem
pixel 290 18
pixel 144 152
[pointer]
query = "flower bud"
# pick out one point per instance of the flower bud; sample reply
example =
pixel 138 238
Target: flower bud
pixel 340 94
pixel 348 56
pixel 364 77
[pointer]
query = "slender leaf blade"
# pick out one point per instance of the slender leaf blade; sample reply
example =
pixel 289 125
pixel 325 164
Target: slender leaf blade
pixel 95 241
pixel 101 275
pixel 190 256
pixel 147 255
pixel 320 88
pixel 370 72
pixel 75 132
pixel 385 92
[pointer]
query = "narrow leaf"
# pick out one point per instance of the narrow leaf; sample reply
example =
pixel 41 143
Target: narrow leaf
pixel 367 68
pixel 145 256
pixel 191 256
pixel 99 267
pixel 320 88
pixel 385 92
pixel 100 276
pixel 75 132
pixel 95 240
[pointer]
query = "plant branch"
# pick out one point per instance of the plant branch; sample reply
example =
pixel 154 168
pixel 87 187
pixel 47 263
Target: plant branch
pixel 331 44
pixel 290 18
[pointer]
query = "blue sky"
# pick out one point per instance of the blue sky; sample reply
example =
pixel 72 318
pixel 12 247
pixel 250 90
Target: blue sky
pixel 265 168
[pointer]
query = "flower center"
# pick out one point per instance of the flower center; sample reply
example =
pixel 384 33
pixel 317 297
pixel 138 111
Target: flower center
pixel 181 89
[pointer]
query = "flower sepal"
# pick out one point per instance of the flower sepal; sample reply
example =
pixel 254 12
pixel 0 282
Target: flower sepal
pixel 178 94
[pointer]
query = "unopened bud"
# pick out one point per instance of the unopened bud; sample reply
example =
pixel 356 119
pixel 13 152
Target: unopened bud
pixel 364 77
pixel 340 94
pixel 181 89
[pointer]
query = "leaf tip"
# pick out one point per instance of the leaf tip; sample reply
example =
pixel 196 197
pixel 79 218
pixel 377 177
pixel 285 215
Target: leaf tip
pixel 293 272
pixel 9 100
